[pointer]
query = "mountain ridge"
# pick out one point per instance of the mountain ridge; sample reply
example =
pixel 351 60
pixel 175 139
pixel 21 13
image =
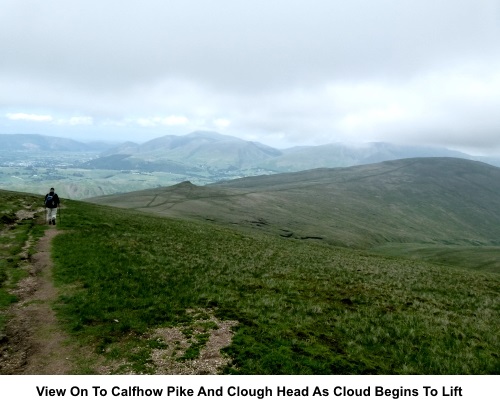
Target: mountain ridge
pixel 224 155
pixel 425 200
pixel 198 149
pixel 223 152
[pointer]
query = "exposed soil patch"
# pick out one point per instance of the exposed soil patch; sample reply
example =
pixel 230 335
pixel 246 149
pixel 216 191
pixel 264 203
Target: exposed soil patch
pixel 193 348
pixel 210 360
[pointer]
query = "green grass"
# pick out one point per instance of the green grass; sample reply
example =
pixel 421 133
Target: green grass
pixel 484 258
pixel 303 307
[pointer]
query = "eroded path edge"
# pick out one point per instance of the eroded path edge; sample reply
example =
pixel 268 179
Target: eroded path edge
pixel 36 345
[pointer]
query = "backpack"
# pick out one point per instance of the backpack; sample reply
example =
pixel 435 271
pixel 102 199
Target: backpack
pixel 50 201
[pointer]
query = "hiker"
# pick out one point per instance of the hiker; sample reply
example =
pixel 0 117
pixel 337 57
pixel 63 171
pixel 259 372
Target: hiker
pixel 51 204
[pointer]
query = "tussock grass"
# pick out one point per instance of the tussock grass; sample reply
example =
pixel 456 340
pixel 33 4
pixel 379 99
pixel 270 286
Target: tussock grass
pixel 484 258
pixel 302 307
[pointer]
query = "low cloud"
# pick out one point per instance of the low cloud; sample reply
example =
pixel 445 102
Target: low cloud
pixel 172 120
pixel 29 117
pixel 283 73
pixel 75 121
pixel 72 121
pixel 221 123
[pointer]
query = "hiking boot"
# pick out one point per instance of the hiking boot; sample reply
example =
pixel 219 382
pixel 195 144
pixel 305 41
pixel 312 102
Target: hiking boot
pixel 53 222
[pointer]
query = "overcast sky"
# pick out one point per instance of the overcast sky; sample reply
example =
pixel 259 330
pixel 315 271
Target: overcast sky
pixel 276 71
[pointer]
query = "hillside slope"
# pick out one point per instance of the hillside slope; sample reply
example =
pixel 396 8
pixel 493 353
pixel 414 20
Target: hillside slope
pixel 141 294
pixel 432 200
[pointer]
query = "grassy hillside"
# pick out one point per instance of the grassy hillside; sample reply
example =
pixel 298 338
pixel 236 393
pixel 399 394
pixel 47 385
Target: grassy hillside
pixel 485 258
pixel 301 307
pixel 433 200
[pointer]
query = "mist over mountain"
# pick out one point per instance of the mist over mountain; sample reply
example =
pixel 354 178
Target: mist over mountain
pixel 342 155
pixel 213 151
pixel 44 143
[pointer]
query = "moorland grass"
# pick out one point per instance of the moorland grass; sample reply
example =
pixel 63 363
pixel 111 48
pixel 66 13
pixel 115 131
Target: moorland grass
pixel 484 258
pixel 303 307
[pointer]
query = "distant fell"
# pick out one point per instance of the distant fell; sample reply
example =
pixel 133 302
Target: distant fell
pixel 198 149
pixel 342 155
pixel 426 200
pixel 216 152
pixel 207 157
pixel 126 148
pixel 43 143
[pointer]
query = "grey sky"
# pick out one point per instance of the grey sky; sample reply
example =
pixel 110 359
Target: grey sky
pixel 279 72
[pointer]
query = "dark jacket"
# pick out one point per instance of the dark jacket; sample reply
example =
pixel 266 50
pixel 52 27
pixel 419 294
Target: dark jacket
pixel 51 200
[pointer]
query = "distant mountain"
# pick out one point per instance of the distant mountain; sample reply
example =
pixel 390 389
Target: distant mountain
pixel 210 156
pixel 342 155
pixel 426 200
pixel 198 149
pixel 495 161
pixel 43 143
pixel 213 151
pixel 99 146
pixel 126 148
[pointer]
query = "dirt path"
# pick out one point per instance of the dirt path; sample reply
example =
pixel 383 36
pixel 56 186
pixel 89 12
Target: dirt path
pixel 34 342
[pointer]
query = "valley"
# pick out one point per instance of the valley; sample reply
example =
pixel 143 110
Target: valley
pixel 34 163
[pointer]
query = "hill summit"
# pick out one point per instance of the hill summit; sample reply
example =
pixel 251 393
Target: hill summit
pixel 201 149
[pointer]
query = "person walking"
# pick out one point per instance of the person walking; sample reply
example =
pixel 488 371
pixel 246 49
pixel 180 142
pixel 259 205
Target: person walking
pixel 51 204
